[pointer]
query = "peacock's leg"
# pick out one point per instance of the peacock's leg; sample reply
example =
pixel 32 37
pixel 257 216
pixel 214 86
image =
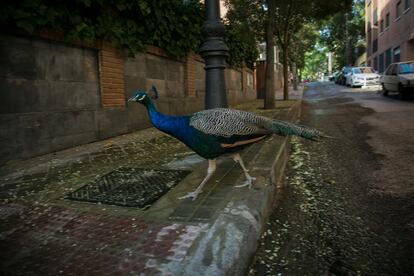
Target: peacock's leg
pixel 210 171
pixel 249 179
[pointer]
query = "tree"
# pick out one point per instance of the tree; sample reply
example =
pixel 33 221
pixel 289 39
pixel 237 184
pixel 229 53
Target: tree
pixel 291 15
pixel 269 100
pixel 281 19
pixel 302 42
pixel 253 17
pixel 344 33
pixel 243 32
pixel 315 61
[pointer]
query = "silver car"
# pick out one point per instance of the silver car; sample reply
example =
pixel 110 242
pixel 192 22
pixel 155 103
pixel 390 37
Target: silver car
pixel 399 77
pixel 362 77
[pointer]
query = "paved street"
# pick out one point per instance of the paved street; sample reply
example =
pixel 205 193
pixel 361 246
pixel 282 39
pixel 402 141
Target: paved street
pixel 348 204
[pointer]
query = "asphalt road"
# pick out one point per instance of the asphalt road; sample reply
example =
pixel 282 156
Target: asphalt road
pixel 348 204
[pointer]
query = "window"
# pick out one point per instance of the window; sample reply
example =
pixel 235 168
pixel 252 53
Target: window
pixel 392 70
pixel 387 57
pixel 388 71
pixel 407 4
pixel 362 70
pixel 376 63
pixel 387 20
pixel 375 46
pixel 382 26
pixel 397 54
pixel 369 16
pixel 406 68
pixel 398 10
pixel 369 45
pixel 381 63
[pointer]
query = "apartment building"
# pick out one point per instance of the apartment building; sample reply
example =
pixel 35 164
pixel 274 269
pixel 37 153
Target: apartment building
pixel 389 28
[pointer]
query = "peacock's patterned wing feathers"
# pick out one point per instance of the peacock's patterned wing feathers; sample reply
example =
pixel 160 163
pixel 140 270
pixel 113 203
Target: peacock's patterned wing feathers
pixel 226 122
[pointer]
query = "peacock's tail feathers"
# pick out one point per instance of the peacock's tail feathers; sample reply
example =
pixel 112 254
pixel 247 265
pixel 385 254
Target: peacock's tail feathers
pixel 285 128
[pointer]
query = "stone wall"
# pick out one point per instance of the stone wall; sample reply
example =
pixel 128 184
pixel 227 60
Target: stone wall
pixel 49 94
pixel 54 95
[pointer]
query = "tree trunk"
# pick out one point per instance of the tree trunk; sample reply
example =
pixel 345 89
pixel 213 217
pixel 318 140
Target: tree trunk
pixel 295 76
pixel 285 73
pixel 348 52
pixel 269 99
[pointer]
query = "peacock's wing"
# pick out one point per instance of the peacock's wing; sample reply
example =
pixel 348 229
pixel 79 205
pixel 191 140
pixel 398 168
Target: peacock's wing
pixel 232 123
pixel 226 123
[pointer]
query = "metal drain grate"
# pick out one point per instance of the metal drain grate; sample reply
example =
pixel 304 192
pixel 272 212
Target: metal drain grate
pixel 130 187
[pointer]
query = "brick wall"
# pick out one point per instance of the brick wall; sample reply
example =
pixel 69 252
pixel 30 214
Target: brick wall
pixel 111 73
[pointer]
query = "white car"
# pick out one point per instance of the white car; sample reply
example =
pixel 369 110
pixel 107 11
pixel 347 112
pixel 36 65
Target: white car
pixel 362 77
pixel 399 77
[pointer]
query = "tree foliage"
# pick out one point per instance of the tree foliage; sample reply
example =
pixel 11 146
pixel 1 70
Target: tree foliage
pixel 301 42
pixel 344 34
pixel 292 15
pixel 243 31
pixel 316 62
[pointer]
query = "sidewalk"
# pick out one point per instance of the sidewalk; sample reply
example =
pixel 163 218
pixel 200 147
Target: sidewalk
pixel 42 232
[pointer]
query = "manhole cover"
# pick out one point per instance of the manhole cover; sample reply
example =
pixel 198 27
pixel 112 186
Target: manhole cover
pixel 131 187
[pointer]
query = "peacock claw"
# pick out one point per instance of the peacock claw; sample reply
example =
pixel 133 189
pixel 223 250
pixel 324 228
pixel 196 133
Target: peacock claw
pixel 192 195
pixel 248 182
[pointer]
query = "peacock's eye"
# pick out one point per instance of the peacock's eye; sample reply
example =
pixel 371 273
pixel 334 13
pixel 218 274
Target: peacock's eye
pixel 141 97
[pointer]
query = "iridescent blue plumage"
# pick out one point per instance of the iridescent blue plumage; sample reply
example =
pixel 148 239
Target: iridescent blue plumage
pixel 214 132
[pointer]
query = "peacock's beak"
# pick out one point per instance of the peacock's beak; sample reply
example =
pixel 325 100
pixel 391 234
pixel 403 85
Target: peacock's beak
pixel 132 99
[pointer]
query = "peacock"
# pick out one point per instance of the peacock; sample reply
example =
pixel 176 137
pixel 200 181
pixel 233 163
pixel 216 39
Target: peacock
pixel 215 132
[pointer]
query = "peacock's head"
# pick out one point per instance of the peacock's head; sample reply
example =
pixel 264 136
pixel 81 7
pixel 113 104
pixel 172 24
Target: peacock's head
pixel 142 97
pixel 139 97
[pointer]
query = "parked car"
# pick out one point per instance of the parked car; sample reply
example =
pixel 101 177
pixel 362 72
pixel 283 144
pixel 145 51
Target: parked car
pixel 399 77
pixel 341 77
pixel 362 77
pixel 334 76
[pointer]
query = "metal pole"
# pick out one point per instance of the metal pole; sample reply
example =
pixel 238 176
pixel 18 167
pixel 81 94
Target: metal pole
pixel 329 63
pixel 214 52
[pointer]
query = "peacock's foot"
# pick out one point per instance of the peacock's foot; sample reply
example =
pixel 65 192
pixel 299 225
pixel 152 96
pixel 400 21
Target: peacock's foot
pixel 248 182
pixel 192 195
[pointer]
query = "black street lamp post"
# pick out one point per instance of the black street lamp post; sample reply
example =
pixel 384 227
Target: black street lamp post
pixel 214 52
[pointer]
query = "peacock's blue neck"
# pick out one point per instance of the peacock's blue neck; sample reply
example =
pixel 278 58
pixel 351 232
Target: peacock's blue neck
pixel 171 124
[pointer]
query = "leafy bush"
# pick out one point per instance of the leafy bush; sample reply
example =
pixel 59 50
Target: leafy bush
pixel 173 25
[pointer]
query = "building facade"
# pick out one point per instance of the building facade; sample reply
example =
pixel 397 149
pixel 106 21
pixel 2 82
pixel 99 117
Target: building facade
pixel 389 28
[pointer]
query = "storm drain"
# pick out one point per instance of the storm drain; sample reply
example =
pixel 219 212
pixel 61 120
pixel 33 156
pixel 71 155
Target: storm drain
pixel 130 187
